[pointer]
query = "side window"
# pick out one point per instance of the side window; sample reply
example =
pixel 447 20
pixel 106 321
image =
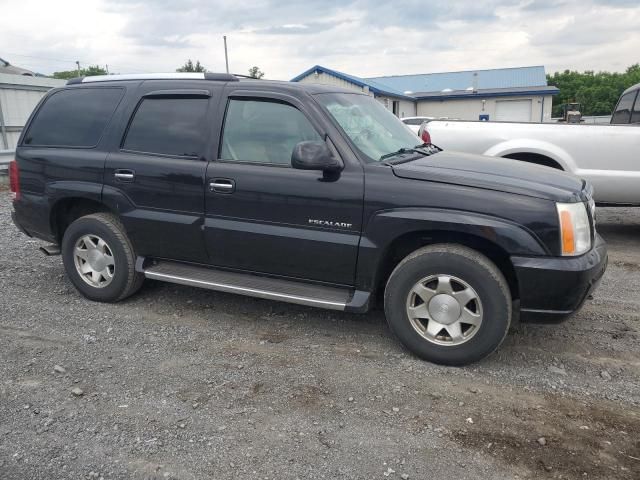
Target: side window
pixel 623 110
pixel 263 131
pixel 168 126
pixel 75 117
pixel 635 115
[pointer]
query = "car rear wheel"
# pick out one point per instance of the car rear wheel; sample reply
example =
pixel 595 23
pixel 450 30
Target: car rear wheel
pixel 99 258
pixel 448 304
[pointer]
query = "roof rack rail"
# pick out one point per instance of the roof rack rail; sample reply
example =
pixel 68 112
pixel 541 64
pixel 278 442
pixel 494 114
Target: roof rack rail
pixel 219 77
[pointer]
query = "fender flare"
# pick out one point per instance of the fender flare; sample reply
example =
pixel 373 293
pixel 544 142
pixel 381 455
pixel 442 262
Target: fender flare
pixel 385 227
pixel 540 147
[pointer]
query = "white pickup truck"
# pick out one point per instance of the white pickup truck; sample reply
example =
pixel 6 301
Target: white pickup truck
pixel 608 156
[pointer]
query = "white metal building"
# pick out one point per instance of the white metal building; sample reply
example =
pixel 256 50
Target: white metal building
pixel 506 94
pixel 19 94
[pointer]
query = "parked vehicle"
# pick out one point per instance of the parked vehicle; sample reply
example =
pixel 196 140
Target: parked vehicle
pixel 571 113
pixel 304 193
pixel 414 123
pixel 604 155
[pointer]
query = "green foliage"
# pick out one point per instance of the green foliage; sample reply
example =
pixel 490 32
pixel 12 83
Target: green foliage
pixel 255 72
pixel 191 67
pixel 84 72
pixel 597 93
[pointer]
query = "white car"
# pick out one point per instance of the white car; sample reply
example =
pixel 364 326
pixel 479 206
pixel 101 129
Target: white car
pixel 414 123
pixel 607 156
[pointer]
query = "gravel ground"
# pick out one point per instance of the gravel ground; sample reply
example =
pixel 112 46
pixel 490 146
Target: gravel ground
pixel 183 383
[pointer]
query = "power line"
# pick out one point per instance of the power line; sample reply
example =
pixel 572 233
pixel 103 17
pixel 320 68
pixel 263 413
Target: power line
pixel 58 61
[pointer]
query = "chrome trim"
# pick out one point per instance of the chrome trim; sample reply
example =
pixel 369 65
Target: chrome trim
pixel 253 292
pixel 145 76
pixel 222 186
pixel 124 176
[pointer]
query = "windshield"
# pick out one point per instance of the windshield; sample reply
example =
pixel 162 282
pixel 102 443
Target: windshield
pixel 374 129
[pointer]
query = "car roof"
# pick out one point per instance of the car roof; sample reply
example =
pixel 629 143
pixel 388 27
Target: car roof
pixel 632 88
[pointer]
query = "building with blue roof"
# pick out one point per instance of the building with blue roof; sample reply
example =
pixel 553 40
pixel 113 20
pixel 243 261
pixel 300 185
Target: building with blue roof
pixel 502 94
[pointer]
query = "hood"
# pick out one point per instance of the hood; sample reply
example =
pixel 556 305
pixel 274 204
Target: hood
pixel 501 174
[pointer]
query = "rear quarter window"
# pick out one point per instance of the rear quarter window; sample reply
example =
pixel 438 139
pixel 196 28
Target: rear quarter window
pixel 75 117
pixel 622 114
pixel 635 114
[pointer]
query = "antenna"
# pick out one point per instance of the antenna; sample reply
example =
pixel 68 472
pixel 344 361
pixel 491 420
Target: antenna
pixel 226 56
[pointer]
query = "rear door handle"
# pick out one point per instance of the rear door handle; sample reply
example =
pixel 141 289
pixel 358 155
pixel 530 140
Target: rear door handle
pixel 125 175
pixel 222 185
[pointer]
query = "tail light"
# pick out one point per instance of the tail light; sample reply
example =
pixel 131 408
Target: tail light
pixel 14 180
pixel 426 138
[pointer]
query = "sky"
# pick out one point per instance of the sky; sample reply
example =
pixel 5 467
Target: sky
pixel 284 38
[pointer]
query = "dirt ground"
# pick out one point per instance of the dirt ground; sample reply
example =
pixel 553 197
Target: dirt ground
pixel 182 383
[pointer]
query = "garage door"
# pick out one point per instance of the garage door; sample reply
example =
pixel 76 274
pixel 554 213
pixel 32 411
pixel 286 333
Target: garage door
pixel 513 110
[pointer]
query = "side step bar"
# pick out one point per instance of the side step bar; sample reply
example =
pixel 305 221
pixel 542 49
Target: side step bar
pixel 254 285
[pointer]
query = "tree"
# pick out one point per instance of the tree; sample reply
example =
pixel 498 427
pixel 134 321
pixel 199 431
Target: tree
pixel 597 93
pixel 190 67
pixel 84 72
pixel 255 72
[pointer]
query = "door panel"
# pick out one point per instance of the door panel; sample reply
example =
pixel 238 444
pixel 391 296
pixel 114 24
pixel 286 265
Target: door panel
pixel 265 224
pixel 165 212
pixel 276 219
pixel 159 167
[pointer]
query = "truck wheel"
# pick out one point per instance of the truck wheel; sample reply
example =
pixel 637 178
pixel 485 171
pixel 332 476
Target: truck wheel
pixel 99 258
pixel 448 304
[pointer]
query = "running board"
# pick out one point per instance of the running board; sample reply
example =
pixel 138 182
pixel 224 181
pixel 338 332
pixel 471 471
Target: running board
pixel 254 285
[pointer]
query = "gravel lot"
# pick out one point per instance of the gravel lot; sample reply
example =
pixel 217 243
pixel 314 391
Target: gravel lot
pixel 183 383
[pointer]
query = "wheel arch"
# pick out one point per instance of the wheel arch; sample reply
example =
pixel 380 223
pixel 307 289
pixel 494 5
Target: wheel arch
pixel 529 150
pixel 391 235
pixel 409 242
pixel 65 210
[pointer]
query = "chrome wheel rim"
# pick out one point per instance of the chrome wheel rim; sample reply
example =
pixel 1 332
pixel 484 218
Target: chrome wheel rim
pixel 444 310
pixel 94 261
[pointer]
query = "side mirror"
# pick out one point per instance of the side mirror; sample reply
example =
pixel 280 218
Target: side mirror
pixel 315 156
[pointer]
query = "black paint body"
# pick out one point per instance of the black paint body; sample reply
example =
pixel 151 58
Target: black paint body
pixel 263 225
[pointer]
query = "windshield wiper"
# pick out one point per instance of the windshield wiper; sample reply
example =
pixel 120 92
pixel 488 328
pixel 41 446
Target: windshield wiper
pixel 402 151
pixel 429 147
pixel 426 150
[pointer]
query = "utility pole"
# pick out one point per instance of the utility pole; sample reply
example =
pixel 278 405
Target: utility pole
pixel 78 64
pixel 107 69
pixel 226 56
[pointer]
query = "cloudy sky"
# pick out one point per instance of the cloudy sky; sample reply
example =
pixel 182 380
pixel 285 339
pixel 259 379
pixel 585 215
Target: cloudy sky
pixel 284 38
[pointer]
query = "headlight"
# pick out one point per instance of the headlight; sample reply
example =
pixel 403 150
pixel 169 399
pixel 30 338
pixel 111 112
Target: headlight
pixel 575 232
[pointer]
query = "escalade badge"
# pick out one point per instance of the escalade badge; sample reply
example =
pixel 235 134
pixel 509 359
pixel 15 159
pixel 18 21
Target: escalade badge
pixel 328 223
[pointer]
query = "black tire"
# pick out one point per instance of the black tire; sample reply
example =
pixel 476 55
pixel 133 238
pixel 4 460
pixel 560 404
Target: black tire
pixel 126 281
pixel 473 268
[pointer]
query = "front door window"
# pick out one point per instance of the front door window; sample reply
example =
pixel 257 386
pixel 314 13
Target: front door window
pixel 266 132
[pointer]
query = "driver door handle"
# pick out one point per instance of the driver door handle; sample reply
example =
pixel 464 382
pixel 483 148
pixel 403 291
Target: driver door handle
pixel 222 185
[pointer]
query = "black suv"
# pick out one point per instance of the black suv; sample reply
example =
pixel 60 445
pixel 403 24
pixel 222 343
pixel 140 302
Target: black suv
pixel 304 193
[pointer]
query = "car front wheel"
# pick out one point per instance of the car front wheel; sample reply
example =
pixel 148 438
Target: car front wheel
pixel 448 304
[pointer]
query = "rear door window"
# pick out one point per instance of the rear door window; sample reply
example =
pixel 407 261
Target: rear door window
pixel 622 114
pixel 76 117
pixel 169 126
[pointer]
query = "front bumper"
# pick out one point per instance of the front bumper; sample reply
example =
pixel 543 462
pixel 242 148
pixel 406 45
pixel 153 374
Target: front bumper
pixel 553 288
